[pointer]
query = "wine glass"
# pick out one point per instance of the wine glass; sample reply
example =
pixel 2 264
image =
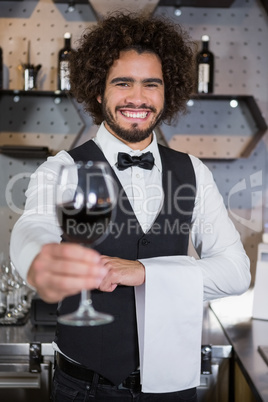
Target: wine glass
pixel 7 288
pixel 86 198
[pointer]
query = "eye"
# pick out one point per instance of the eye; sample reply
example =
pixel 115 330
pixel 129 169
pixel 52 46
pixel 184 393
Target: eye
pixel 122 84
pixel 151 85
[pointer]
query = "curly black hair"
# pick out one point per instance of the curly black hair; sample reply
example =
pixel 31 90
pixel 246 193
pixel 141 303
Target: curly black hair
pixel 101 45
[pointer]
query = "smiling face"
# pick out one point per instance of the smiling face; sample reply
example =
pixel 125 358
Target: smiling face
pixel 133 100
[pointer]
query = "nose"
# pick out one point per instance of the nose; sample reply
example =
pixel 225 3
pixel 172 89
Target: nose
pixel 136 95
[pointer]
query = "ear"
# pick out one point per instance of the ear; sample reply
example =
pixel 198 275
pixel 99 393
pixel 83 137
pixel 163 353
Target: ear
pixel 99 99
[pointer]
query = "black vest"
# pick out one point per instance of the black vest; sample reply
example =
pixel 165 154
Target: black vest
pixel 112 349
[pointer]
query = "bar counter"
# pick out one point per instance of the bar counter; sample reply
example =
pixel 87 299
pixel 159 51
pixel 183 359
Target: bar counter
pixel 228 327
pixel 23 335
pixel 26 362
pixel 245 334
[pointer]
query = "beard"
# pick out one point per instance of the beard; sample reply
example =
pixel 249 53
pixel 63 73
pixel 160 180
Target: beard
pixel 133 134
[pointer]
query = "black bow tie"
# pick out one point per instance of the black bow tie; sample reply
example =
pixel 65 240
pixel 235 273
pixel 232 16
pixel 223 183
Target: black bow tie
pixel 145 161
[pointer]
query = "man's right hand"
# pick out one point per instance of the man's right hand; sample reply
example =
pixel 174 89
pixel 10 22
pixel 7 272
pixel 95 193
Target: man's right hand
pixel 61 270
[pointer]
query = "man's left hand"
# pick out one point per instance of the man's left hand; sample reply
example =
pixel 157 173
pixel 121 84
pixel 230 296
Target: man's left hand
pixel 121 272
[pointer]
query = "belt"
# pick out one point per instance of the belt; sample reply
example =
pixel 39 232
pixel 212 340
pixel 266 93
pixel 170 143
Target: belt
pixel 84 374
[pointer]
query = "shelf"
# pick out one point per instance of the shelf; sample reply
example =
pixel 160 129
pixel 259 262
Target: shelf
pixel 35 93
pixel 39 118
pixel 217 127
pixel 265 5
pixel 27 152
pixel 166 3
pixel 196 3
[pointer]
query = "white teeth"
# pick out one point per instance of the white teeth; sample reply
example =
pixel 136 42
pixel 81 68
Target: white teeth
pixel 135 115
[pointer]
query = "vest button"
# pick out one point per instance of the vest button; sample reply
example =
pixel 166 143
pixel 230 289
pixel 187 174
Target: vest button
pixel 145 242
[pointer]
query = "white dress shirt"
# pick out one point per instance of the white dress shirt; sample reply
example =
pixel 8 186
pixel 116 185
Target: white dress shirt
pixel 169 303
pixel 143 187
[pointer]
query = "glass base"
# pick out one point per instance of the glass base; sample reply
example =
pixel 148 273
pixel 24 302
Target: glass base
pixel 8 319
pixel 85 316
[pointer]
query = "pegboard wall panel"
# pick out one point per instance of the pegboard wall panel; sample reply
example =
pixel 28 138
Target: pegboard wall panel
pixel 238 39
pixel 15 174
pixel 43 23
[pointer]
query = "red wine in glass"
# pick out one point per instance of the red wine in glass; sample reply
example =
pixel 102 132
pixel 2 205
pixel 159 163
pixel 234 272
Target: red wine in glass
pixel 85 225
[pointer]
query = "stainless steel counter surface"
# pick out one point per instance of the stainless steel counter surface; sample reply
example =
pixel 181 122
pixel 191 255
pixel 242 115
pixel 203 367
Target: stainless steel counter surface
pixel 16 339
pixel 22 336
pixel 19 382
pixel 245 334
pixel 26 363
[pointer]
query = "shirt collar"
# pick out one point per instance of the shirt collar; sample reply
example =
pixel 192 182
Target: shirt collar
pixel 110 146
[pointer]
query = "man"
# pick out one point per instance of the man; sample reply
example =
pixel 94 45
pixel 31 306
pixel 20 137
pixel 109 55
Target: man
pixel 131 73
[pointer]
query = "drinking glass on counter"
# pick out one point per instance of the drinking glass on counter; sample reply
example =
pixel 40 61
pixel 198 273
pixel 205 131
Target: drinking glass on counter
pixel 15 296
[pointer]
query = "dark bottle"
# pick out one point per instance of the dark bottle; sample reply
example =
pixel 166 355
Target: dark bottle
pixel 63 64
pixel 205 68
pixel 1 68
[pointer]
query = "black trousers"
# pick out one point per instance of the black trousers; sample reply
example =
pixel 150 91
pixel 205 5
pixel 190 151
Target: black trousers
pixel 67 389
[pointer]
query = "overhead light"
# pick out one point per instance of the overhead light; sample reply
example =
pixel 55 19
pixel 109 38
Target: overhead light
pixel 233 103
pixel 177 12
pixel 71 6
pixel 190 102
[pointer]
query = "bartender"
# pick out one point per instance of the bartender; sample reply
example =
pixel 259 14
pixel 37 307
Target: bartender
pixel 132 73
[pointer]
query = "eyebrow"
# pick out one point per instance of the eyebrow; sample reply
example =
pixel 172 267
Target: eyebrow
pixel 130 79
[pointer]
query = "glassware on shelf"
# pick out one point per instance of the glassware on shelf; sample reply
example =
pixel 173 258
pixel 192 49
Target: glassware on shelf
pixel 15 296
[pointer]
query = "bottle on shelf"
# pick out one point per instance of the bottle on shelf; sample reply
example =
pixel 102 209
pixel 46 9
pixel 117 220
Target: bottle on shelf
pixel 29 72
pixel 205 68
pixel 1 68
pixel 63 64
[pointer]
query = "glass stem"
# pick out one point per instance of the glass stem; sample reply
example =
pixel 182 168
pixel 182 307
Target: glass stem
pixel 85 298
pixel 9 309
